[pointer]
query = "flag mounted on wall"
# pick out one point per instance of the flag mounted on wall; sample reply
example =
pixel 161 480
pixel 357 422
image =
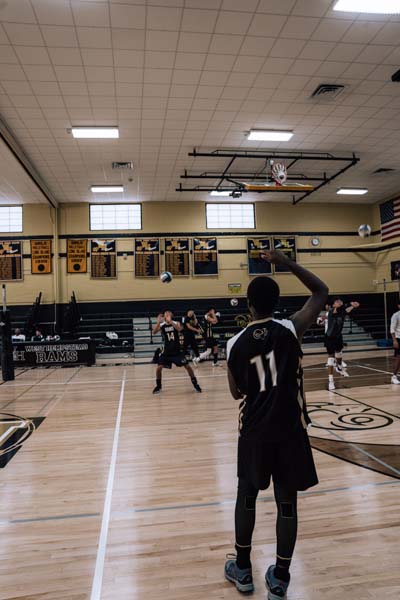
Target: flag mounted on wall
pixel 390 219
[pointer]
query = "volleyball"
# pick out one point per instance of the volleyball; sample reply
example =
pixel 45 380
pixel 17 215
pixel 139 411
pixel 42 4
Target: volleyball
pixel 364 231
pixel 166 277
pixel 234 302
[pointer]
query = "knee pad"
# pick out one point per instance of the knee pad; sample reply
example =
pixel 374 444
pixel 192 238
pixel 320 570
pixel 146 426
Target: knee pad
pixel 331 361
pixel 338 354
pixel 250 502
pixel 287 510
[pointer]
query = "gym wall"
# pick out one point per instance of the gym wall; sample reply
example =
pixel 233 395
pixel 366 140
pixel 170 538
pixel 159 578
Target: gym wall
pixel 344 270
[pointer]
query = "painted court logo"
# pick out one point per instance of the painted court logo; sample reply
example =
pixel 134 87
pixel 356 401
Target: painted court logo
pixel 14 431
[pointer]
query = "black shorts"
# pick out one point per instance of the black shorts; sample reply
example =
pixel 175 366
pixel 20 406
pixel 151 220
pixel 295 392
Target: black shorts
pixel 290 463
pixel 334 344
pixel 397 350
pixel 211 342
pixel 179 360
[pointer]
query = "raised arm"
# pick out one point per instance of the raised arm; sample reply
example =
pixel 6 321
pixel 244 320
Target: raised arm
pixel 352 306
pixel 305 317
pixel 157 326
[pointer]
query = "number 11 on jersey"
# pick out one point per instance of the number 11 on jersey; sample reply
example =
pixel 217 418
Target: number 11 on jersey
pixel 258 361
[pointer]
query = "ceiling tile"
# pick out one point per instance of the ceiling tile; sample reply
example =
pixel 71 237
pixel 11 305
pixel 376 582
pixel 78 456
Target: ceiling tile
pixel 214 78
pixel 317 49
pixel 160 76
pixel 17 11
pixel 23 35
pixel 45 87
pixel 94 37
pixel 65 56
pixel 346 52
pixel 53 13
pixel 163 18
pixel 277 65
pixel 376 54
pixel 40 73
pixel 311 8
pixel 69 73
pixel 358 71
pixel 241 79
pixel 103 73
pixel 194 42
pixel 248 64
pixel 11 73
pixel 305 67
pixel 333 30
pixel 73 88
pixel 287 48
pixel 300 28
pixel 132 17
pixel 362 32
pixel 280 7
pixel 161 40
pixel 381 73
pixel 95 57
pixel 233 22
pixel 199 20
pixel 159 60
pixel 128 75
pixel 58 36
pixel 267 25
pixel 187 77
pixel 257 46
pixel 128 39
pixel 219 62
pixel 7 54
pixel 226 44
pixel 388 34
pixel 239 5
pixel 186 60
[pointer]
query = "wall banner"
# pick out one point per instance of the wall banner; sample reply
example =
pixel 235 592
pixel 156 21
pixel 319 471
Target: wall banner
pixel 103 259
pixel 10 260
pixel 41 262
pixel 77 256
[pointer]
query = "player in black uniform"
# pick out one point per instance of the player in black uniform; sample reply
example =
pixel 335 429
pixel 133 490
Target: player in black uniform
pixel 191 326
pixel 334 339
pixel 211 319
pixel 265 374
pixel 172 353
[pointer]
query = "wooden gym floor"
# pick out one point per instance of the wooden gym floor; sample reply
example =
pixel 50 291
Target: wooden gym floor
pixel 118 494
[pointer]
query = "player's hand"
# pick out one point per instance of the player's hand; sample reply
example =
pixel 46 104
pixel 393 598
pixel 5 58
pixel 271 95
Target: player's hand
pixel 355 304
pixel 395 344
pixel 160 318
pixel 275 257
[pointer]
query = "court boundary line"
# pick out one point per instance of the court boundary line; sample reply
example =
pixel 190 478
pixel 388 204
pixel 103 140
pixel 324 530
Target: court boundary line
pixel 265 499
pixel 105 522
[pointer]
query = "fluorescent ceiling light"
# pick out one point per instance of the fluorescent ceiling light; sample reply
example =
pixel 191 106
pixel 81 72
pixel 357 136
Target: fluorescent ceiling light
pixel 352 191
pixel 264 135
pixel 106 189
pixel 218 193
pixel 377 7
pixel 95 132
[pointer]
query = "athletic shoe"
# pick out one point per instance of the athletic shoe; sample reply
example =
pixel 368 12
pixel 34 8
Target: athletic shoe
pixel 196 361
pixel 395 381
pixel 157 389
pixel 331 386
pixel 344 364
pixel 215 364
pixel 342 371
pixel 242 578
pixel 345 373
pixel 199 390
pixel 276 587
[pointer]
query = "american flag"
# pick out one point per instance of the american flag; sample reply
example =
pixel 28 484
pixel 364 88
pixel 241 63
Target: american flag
pixel 390 219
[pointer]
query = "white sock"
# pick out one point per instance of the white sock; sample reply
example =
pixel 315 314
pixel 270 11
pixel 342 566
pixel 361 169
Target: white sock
pixel 330 377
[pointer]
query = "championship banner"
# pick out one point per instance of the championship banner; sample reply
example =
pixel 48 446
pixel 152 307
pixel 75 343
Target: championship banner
pixel 255 264
pixel 76 256
pixel 177 256
pixel 205 256
pixel 10 260
pixel 287 245
pixel 34 354
pixel 41 263
pixel 147 257
pixel 103 259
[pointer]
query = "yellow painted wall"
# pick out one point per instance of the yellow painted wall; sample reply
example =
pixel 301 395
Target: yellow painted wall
pixel 38 219
pixel 344 272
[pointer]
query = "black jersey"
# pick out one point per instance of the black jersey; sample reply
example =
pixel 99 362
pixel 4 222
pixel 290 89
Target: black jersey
pixel 189 321
pixel 335 322
pixel 171 341
pixel 208 328
pixel 265 362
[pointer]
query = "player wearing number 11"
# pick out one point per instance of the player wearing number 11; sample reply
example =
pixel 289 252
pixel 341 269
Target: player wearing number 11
pixel 264 371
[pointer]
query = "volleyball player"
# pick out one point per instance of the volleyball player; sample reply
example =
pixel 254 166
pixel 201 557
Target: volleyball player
pixel 334 338
pixel 264 372
pixel 191 326
pixel 211 320
pixel 172 353
pixel 395 333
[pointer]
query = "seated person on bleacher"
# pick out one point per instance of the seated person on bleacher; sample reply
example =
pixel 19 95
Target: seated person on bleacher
pixel 18 336
pixel 38 337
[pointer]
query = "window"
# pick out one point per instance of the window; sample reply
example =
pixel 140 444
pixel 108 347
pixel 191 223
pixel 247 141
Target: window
pixel 230 216
pixel 105 217
pixel 10 219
